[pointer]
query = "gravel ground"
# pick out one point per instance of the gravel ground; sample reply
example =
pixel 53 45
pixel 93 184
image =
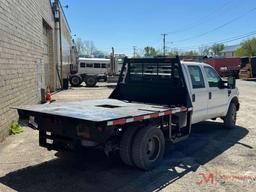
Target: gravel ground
pixel 212 159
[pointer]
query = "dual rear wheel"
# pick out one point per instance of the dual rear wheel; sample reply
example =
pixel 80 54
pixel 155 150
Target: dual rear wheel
pixel 76 81
pixel 142 147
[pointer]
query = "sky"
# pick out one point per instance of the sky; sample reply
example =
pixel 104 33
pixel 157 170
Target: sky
pixel 189 24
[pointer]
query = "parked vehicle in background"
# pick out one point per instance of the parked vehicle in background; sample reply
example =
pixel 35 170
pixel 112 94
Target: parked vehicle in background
pixel 225 66
pixel 115 69
pixel 155 100
pixel 90 71
pixel 248 68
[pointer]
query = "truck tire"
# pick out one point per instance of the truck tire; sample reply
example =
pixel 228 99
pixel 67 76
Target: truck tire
pixel 126 146
pixel 91 81
pixel 230 118
pixel 148 148
pixel 75 81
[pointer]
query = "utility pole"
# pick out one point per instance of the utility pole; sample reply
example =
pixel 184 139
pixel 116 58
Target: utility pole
pixel 164 47
pixel 134 51
pixel 112 68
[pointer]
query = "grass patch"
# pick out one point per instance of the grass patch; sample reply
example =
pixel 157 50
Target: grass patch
pixel 14 128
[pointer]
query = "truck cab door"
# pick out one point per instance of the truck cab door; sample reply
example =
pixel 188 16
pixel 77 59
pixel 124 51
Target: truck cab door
pixel 217 95
pixel 198 93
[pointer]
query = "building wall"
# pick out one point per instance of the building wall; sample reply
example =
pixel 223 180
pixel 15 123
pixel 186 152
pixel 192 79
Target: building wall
pixel 67 46
pixel 229 54
pixel 28 55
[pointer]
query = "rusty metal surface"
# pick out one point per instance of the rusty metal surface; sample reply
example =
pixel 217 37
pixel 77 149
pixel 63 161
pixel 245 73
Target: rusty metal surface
pixel 96 110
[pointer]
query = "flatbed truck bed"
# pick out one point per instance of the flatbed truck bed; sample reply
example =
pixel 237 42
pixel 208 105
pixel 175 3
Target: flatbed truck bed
pixel 109 111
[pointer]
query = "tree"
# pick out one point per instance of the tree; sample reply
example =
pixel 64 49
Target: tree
pixel 174 52
pixel 99 54
pixel 150 51
pixel 90 48
pixel 204 50
pixel 190 53
pixel 217 48
pixel 80 46
pixel 87 49
pixel 248 48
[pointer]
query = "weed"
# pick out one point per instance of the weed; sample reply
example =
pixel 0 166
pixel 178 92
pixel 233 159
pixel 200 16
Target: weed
pixel 15 128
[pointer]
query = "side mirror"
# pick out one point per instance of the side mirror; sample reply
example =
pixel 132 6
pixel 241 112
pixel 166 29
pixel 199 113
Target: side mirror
pixel 231 82
pixel 223 84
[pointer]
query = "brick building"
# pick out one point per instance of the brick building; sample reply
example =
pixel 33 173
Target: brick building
pixel 32 54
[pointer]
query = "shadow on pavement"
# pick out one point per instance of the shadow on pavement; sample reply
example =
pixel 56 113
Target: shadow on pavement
pixel 95 172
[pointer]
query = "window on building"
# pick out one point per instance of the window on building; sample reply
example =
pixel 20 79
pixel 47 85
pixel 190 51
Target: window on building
pixel 196 77
pixel 103 65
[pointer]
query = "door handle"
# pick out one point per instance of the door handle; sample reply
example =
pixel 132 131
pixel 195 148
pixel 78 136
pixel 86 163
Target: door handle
pixel 210 95
pixel 229 92
pixel 193 98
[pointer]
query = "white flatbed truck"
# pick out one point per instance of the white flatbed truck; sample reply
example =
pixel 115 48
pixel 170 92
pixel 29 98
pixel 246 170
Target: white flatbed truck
pixel 155 100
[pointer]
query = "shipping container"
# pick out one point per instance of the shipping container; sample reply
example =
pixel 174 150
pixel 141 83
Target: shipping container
pixel 225 66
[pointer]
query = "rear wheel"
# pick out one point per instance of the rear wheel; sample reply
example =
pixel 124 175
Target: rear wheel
pixel 126 146
pixel 148 148
pixel 230 119
pixel 91 81
pixel 75 81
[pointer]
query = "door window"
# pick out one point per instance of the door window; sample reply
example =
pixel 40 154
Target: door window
pixel 196 77
pixel 212 77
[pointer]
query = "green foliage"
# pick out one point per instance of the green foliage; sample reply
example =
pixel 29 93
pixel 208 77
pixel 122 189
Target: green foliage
pixel 15 128
pixel 217 48
pixel 248 48
pixel 186 53
pixel 173 53
pixel 240 52
pixel 150 52
pixel 190 53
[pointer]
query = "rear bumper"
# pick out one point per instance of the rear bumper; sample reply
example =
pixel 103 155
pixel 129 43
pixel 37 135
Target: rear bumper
pixel 57 131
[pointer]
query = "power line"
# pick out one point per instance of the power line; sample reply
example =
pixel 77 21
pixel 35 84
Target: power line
pixel 237 37
pixel 227 40
pixel 217 28
pixel 201 19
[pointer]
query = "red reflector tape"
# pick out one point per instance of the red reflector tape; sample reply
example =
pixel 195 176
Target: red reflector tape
pixel 138 118
pixel 167 113
pixel 119 122
pixel 143 117
pixel 183 109
pixel 154 115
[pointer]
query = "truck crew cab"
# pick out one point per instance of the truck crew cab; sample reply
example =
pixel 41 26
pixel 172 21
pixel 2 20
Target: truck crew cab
pixel 155 100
